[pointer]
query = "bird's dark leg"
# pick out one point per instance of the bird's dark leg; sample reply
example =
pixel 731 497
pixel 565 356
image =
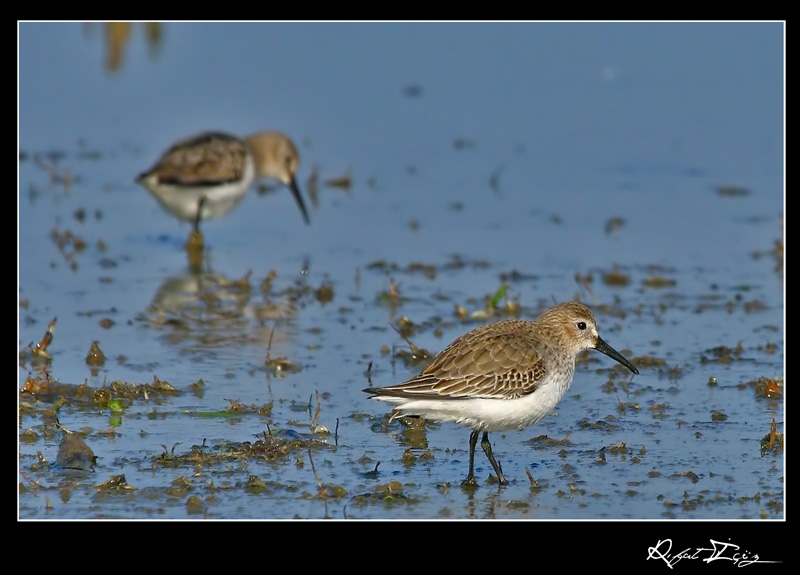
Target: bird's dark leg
pixel 198 217
pixel 194 244
pixel 487 449
pixel 470 480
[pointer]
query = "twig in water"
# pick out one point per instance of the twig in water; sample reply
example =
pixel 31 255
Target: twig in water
pixel 315 419
pixel 314 469
pixel 530 477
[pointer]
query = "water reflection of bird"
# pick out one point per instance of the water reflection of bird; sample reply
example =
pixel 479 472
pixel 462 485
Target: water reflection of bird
pixel 211 309
pixel 207 175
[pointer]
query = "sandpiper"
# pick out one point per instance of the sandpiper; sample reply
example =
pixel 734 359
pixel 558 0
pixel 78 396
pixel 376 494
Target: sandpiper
pixel 501 376
pixel 206 175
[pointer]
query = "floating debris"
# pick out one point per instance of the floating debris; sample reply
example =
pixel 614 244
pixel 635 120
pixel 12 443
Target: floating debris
pixel 659 282
pixel 773 441
pixel 343 182
pixel 616 278
pixel 613 225
pixel 95 357
pixel 73 453
pixel 40 349
pixel 115 483
pixel 732 191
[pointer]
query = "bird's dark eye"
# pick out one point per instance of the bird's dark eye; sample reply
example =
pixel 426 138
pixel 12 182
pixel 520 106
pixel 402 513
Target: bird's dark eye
pixel 581 325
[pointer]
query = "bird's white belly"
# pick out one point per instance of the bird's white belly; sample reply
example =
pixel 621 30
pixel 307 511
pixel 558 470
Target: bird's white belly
pixel 182 201
pixel 485 414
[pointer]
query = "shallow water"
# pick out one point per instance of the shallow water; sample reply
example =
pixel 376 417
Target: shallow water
pixel 594 149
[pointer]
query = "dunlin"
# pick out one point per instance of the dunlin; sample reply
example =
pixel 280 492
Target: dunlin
pixel 206 175
pixel 501 376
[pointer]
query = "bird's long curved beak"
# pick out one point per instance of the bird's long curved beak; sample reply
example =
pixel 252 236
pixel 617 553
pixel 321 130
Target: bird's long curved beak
pixel 603 347
pixel 299 199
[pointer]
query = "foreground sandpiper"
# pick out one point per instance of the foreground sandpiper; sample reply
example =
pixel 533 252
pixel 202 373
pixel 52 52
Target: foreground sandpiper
pixel 205 176
pixel 501 376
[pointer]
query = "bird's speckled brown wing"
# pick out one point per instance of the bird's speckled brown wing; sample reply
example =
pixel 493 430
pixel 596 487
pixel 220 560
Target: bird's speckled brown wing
pixel 500 361
pixel 206 159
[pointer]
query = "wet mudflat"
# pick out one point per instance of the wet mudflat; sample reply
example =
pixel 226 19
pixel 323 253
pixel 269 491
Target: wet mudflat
pixel 157 386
